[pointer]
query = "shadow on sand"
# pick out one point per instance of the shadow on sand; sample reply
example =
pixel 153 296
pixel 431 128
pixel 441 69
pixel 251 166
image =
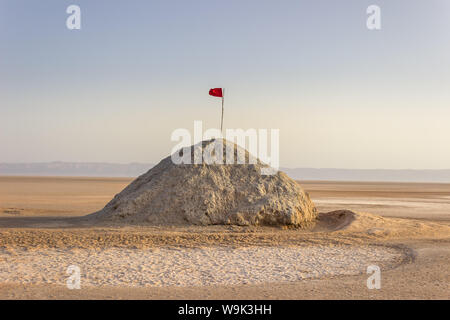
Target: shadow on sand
pixel 42 222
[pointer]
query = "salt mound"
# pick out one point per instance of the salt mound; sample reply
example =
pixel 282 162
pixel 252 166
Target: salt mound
pixel 205 194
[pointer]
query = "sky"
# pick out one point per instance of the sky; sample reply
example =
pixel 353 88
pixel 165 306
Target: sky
pixel 342 96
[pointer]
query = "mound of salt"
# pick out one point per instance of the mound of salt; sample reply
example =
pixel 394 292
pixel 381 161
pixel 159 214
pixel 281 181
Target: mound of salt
pixel 211 192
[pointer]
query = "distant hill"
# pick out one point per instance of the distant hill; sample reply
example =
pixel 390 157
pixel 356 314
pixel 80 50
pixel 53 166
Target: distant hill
pixel 94 169
pixel 98 169
pixel 387 175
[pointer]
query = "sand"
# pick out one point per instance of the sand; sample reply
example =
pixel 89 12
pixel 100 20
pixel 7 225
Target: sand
pixel 328 260
pixel 123 267
pixel 430 201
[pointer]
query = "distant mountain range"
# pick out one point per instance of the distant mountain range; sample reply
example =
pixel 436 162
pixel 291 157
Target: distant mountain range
pixel 98 169
pixel 90 169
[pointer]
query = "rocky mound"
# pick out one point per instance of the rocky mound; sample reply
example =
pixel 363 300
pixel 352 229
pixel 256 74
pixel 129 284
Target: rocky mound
pixel 211 192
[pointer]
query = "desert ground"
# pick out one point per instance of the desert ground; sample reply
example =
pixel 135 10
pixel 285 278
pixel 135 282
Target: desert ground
pixel 404 228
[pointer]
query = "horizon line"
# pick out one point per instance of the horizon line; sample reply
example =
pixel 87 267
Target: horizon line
pixel 153 164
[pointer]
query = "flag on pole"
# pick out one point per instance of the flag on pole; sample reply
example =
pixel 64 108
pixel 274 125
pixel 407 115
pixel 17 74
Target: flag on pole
pixel 218 92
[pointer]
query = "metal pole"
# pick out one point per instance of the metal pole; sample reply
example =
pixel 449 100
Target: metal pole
pixel 221 120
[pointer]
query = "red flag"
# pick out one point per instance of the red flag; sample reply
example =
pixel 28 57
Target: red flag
pixel 216 92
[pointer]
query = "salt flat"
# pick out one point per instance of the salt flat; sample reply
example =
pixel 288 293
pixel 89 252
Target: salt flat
pixel 187 267
pixel 408 237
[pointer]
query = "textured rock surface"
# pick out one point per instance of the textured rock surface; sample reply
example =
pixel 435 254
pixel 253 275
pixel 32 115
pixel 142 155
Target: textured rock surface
pixel 204 194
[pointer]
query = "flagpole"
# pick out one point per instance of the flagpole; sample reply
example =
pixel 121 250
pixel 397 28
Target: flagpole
pixel 221 120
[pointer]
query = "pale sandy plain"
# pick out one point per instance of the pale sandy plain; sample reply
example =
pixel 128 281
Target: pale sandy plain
pixel 404 228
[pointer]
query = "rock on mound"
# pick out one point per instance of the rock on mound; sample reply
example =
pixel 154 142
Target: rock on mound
pixel 205 194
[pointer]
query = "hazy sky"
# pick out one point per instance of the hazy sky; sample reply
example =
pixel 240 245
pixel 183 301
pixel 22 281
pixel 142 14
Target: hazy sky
pixel 341 95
